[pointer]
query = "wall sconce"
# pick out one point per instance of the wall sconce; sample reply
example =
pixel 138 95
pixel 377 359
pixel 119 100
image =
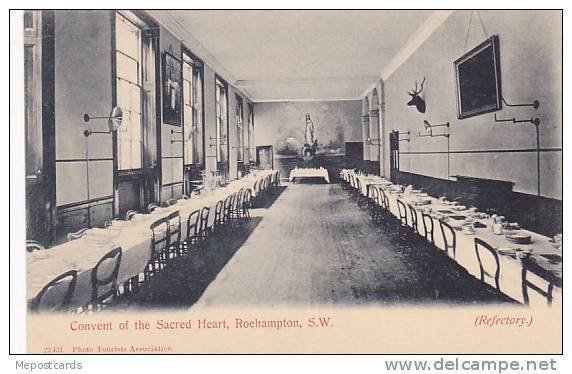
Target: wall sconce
pixel 223 141
pixel 176 140
pixel 535 104
pixel 429 129
pixel 535 121
pixel 370 141
pixel 408 139
pixel 113 121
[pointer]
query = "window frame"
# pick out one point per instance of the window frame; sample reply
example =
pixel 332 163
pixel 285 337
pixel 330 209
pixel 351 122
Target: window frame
pixel 221 83
pixel 250 132
pixel 197 65
pixel 141 25
pixel 239 128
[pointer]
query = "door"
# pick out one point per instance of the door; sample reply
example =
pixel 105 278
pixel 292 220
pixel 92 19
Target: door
pixel 394 156
pixel 354 155
pixel 265 157
pixel 39 126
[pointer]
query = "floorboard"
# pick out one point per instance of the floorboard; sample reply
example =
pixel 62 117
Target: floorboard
pixel 309 244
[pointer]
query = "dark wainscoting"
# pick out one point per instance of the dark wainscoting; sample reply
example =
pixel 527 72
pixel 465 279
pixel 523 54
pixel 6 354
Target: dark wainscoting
pixel 171 191
pixel 72 218
pixel 240 168
pixel 537 213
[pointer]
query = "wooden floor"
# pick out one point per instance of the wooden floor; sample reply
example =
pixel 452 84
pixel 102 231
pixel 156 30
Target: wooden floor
pixel 310 244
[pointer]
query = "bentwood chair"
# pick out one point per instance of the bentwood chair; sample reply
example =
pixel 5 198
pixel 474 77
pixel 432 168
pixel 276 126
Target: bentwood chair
pixel 174 245
pixel 414 221
pixel 235 209
pixel 227 209
pixel 428 227
pixel 236 212
pixel 130 214
pixel 203 231
pixel 193 228
pixel 262 187
pixel 482 248
pixel 384 214
pixel 171 202
pixel 151 207
pixel 34 245
pixel 550 281
pixel 256 192
pixel 218 222
pixel 402 210
pixel 159 247
pixel 49 300
pixel 351 188
pixel 449 238
pixel 404 232
pixel 361 199
pixel 267 183
pixel 76 235
pixel 104 279
pixel 344 180
pixel 271 180
pixel 374 203
pixel 246 201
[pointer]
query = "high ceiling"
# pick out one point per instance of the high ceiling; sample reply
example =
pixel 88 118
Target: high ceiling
pixel 297 55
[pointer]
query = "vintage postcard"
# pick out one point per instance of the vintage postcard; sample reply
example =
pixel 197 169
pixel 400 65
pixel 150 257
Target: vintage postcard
pixel 290 181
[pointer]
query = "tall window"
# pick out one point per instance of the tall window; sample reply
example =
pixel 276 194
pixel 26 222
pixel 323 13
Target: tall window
pixel 129 92
pixel 221 120
pixel 33 90
pixel 193 109
pixel 239 129
pixel 250 135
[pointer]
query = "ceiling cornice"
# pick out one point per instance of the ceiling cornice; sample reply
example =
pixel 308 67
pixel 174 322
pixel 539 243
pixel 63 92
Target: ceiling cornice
pixel 356 98
pixel 304 81
pixel 168 21
pixel 420 36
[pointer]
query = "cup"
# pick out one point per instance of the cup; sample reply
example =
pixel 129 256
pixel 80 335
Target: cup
pixel 468 228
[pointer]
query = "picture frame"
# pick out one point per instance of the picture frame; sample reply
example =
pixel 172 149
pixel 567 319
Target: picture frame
pixel 171 89
pixel 478 80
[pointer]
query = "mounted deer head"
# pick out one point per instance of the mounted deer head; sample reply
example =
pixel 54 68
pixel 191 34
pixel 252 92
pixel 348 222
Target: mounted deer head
pixel 416 99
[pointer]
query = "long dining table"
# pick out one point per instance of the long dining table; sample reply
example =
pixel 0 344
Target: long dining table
pixel 541 248
pixel 134 237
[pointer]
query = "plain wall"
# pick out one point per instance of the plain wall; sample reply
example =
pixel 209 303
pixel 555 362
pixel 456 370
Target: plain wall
pixel 82 85
pixel 530 58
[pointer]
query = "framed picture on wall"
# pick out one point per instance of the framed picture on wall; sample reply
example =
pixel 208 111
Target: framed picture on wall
pixel 478 80
pixel 171 89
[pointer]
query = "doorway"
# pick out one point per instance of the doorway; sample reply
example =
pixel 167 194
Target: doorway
pixel 39 125
pixel 394 156
pixel 265 157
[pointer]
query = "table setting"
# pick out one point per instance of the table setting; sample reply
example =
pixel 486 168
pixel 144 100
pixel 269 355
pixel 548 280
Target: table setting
pixel 133 236
pixel 510 240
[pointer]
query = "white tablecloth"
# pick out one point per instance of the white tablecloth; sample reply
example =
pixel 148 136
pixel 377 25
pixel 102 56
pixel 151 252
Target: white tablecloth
pixel 510 268
pixel 309 173
pixel 134 239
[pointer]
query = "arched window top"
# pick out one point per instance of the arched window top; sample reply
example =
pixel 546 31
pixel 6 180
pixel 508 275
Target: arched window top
pixel 374 100
pixel 365 105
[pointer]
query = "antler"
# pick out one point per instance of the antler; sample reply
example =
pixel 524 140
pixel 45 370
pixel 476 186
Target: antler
pixel 416 92
pixel 422 83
